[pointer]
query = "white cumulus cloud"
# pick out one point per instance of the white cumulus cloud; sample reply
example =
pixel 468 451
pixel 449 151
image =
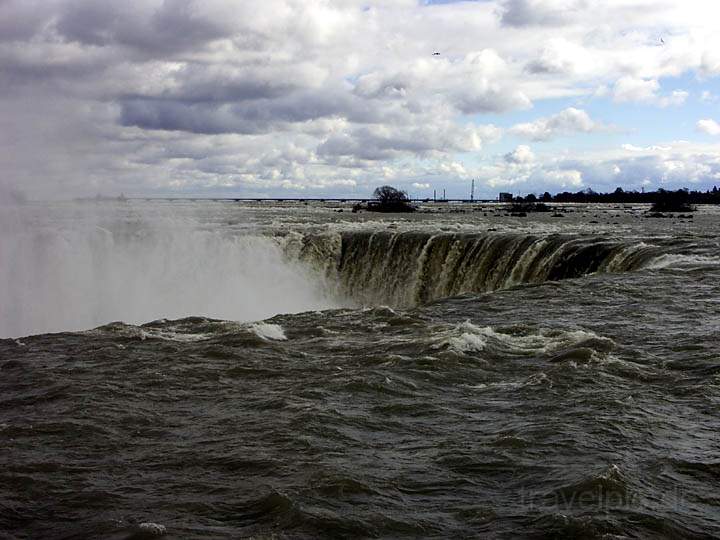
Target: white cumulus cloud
pixel 521 155
pixel 709 126
pixel 566 122
pixel 633 89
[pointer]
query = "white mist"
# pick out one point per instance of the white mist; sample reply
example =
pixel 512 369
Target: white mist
pixel 77 266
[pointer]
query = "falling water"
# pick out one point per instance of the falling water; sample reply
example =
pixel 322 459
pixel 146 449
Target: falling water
pixel 110 264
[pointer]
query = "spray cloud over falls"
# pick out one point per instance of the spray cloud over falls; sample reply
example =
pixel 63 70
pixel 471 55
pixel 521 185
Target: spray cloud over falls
pixel 79 269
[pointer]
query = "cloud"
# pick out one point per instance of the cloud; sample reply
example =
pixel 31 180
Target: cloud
pixel 249 116
pixel 652 148
pixel 146 27
pixel 560 56
pixel 522 154
pixel 709 126
pixel 487 97
pixel 539 12
pixel 564 178
pixel 377 142
pixel 710 59
pixel 635 89
pixel 676 98
pixel 261 95
pixel 19 21
pixel 566 122
pixel 646 91
pixel 476 82
pixel 672 166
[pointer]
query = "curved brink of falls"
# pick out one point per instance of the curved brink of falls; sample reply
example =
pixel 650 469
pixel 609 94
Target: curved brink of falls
pixel 410 268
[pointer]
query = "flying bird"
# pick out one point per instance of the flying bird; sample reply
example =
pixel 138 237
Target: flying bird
pixel 436 53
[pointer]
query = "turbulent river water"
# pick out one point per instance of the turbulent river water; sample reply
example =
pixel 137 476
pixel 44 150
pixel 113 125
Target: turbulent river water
pixel 211 370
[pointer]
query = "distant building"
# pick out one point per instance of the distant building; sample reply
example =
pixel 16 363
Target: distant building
pixel 505 197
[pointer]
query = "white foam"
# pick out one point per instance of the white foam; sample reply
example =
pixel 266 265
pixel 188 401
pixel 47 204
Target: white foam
pixel 467 337
pixel 462 338
pixel 534 380
pixel 170 335
pixel 672 260
pixel 153 528
pixel 613 472
pixel 273 332
pixel 538 379
pixel 467 342
pixel 494 385
pixel 166 334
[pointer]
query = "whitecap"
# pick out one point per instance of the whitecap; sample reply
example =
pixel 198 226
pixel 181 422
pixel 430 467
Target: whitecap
pixel 171 335
pixel 673 259
pixel 467 337
pixel 154 529
pixel 273 332
pixel 467 342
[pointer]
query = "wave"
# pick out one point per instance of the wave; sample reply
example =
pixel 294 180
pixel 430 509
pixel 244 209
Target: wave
pixel 150 529
pixel 554 345
pixel 608 488
pixel 411 268
pixel 191 330
pixel 272 332
pixel 678 260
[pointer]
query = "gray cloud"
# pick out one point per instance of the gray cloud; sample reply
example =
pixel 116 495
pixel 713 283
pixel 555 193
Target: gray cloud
pixel 19 21
pixel 169 27
pixel 378 142
pixel 256 115
pixel 559 57
pixel 540 12
pixel 228 83
pixel 491 99
pixel 521 155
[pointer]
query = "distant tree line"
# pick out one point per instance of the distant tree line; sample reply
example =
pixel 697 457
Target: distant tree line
pixel 660 197
pixel 390 199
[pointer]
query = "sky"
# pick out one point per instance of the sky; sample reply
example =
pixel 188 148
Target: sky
pixel 315 98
